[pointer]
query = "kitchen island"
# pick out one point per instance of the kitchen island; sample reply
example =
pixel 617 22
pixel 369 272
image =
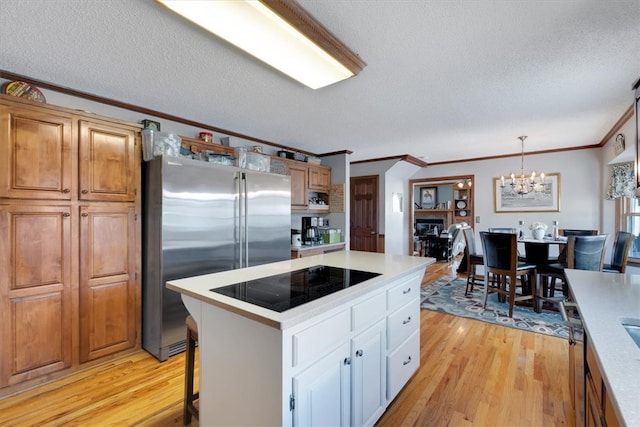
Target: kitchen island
pixel 336 360
pixel 605 302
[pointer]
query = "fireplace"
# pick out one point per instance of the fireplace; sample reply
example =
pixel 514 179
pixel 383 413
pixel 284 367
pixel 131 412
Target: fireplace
pixel 425 226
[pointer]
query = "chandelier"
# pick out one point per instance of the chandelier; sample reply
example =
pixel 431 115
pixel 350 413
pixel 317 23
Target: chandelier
pixel 524 183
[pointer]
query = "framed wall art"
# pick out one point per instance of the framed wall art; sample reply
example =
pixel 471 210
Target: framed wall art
pixel 428 197
pixel 545 200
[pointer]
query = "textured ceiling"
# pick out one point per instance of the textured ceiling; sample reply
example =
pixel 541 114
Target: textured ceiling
pixel 445 80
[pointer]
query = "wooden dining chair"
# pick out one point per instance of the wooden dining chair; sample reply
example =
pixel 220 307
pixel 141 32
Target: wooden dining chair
pixel 500 251
pixel 473 260
pixel 566 232
pixel 583 253
pixel 620 255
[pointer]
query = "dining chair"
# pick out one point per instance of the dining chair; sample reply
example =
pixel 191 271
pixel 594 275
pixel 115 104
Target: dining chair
pixel 566 232
pixel 584 252
pixel 621 249
pixel 500 251
pixel 473 260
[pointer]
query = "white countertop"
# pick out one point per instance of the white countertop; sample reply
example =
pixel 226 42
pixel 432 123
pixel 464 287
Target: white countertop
pixel 389 266
pixel 603 300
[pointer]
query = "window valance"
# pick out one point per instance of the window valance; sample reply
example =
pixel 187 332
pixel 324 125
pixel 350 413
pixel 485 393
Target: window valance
pixel 622 182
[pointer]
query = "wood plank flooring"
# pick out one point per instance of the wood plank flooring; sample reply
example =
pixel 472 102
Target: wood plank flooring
pixel 471 374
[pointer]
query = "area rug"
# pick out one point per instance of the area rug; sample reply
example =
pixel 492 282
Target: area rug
pixel 446 295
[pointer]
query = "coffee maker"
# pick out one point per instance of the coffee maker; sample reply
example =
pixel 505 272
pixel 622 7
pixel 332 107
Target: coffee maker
pixel 310 233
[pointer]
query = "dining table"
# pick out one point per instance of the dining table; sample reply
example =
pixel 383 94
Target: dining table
pixel 537 252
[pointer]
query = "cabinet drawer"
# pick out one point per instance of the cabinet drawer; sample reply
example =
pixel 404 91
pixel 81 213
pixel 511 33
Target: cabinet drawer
pixel 368 312
pixel 407 289
pixel 402 323
pixel 402 363
pixel 323 336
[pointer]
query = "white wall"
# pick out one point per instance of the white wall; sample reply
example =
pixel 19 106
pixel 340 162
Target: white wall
pixel 397 223
pixel 581 189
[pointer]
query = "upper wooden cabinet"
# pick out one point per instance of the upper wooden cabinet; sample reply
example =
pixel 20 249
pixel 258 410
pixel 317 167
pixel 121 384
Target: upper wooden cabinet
pixel 107 161
pixel 36 154
pixel 319 178
pixel 308 181
pixel 299 185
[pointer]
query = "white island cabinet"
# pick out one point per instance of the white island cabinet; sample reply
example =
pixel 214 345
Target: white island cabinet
pixel 335 361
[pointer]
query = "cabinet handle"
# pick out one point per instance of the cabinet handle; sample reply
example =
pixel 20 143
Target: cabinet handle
pixel 404 322
pixel 406 291
pixel 359 353
pixel 84 214
pixel 66 214
pixel 406 362
pixel 85 191
pixel 347 361
pixel 66 190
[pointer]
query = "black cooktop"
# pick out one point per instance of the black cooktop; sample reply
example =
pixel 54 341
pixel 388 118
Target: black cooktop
pixel 287 290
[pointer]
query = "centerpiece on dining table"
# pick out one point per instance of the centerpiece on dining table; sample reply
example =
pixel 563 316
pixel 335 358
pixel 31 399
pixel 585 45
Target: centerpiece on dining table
pixel 538 230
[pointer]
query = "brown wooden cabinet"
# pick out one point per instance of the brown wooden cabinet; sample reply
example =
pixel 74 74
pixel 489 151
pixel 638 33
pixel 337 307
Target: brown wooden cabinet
pixel 36 157
pixel 108 295
pixel 70 249
pixel 599 407
pixel 107 162
pixel 462 205
pixel 319 178
pixel 299 185
pixel 36 292
pixel 307 182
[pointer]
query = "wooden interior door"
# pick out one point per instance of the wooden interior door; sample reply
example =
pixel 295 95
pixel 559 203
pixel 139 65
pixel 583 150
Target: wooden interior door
pixel 364 213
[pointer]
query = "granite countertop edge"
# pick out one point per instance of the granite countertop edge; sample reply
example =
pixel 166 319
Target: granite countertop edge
pixel 604 299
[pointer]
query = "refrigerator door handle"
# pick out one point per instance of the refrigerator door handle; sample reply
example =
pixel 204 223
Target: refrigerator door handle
pixel 245 219
pixel 239 229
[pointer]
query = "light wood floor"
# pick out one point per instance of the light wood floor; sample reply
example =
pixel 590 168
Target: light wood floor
pixel 471 373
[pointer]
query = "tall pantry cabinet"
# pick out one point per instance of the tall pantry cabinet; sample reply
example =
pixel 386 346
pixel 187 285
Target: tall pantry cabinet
pixel 69 239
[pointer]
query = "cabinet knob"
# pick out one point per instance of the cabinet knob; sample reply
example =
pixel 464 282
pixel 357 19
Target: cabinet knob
pixel 85 191
pixel 406 362
pixel 66 190
pixel 347 361
pixel 404 322
pixel 84 214
pixel 66 214
pixel 406 291
pixel 359 353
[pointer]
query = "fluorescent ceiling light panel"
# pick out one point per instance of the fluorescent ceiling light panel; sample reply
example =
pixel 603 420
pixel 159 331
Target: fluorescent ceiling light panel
pixel 259 31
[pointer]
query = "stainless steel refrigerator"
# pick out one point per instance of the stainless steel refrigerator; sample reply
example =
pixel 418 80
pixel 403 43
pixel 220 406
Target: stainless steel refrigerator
pixel 201 218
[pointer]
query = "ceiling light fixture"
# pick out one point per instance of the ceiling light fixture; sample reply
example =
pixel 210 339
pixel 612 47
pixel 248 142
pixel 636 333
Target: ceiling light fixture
pixel 524 183
pixel 466 182
pixel 278 32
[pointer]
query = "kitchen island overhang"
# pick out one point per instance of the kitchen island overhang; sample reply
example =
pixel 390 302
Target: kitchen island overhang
pixel 199 287
pixel 261 367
